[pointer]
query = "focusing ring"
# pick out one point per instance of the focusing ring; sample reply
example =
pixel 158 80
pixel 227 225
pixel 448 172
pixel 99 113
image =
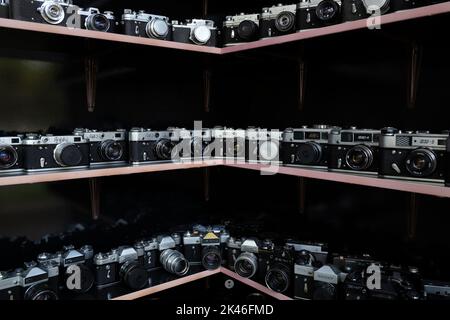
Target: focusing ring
pixel 368 157
pixel 153 29
pixel 163 149
pixel 14 154
pixel 40 292
pixel 90 22
pixel 278 270
pixel 211 250
pixel 251 259
pixel 105 150
pixel 283 17
pixel 46 12
pixel 324 3
pixel 430 158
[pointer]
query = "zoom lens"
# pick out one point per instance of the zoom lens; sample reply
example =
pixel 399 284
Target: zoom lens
pixel 247 30
pixel 8 157
pixel 174 262
pixel 359 157
pixel 97 22
pixel 163 149
pixel 421 162
pixel 278 278
pixel 327 10
pixel 285 21
pixel 111 150
pixel 309 153
pixel 67 155
pixel 133 275
pixel 211 258
pixel 40 292
pixel 52 13
pixel 246 265
pixel 157 28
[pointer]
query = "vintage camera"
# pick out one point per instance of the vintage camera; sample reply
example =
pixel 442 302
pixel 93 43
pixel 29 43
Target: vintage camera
pixel 306 146
pixel 360 9
pixel 120 265
pixel 146 25
pixel 106 147
pixel 55 152
pixel 192 245
pixel 318 13
pixel 147 145
pixel 241 28
pixel 246 264
pixel 211 250
pixel 279 267
pixel 4 8
pixel 54 12
pixel 147 253
pixel 32 282
pixel 195 31
pixel 436 290
pixel 277 20
pixel 412 155
pixel 398 5
pixel 74 267
pixel 170 257
pixel 93 19
pixel 11 155
pixel 262 145
pixel 328 281
pixel 353 150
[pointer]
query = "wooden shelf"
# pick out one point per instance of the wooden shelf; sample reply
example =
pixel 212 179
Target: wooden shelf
pixel 437 190
pixel 197 276
pixel 307 34
pixel 51 176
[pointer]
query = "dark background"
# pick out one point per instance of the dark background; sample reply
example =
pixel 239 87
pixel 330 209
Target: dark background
pixel 357 78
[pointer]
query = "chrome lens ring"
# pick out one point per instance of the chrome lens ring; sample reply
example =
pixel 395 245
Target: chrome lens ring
pixel 52 12
pixel 365 154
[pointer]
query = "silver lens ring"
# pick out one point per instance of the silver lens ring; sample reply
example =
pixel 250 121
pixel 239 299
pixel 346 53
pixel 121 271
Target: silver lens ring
pixel 201 35
pixel 421 162
pixel 52 12
pixel 157 28
pixel 91 22
pixel 246 259
pixel 277 272
pixel 170 260
pixel 12 152
pixel 365 151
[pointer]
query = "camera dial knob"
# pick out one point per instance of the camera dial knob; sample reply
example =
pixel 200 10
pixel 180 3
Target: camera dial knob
pixel 320 126
pixel 389 131
pixel 353 127
pixel 304 127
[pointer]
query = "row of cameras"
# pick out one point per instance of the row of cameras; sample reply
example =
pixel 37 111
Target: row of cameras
pixel 302 270
pixel 391 153
pixel 272 21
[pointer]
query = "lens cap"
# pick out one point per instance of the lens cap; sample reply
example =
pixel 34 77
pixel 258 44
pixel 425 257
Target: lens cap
pixel 71 156
pixel 201 35
pixel 247 30
pixel 309 153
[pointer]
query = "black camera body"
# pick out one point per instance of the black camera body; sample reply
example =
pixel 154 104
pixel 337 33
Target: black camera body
pixel 32 282
pixel 106 147
pixel 4 9
pixel 211 250
pixel 147 253
pixel 55 12
pixel 412 155
pixel 354 150
pixel 196 31
pixel 280 268
pixel 241 28
pixel 277 20
pixel 50 152
pixel 120 265
pixel 147 146
pixel 318 13
pixel 74 267
pixel 262 146
pixel 306 146
pixel 146 25
pixel 93 19
pixel 11 154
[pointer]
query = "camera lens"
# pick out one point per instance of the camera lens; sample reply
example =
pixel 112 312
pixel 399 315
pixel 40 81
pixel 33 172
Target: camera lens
pixel 111 150
pixel 309 153
pixel 163 149
pixel 201 35
pixel 8 157
pixel 174 262
pixel 421 162
pixel 133 275
pixel 359 157
pixel 211 258
pixel 157 28
pixel 247 30
pixel 268 150
pixel 40 292
pixel 278 278
pixel 246 265
pixel 67 155
pixel 97 22
pixel 327 10
pixel 52 13
pixel 285 21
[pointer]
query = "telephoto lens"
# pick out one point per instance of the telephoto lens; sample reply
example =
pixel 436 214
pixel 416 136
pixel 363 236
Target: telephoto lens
pixel 174 262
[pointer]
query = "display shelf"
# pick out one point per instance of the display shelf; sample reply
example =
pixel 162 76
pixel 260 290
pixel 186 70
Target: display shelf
pixel 50 176
pixel 307 34
pixel 438 190
pixel 197 276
